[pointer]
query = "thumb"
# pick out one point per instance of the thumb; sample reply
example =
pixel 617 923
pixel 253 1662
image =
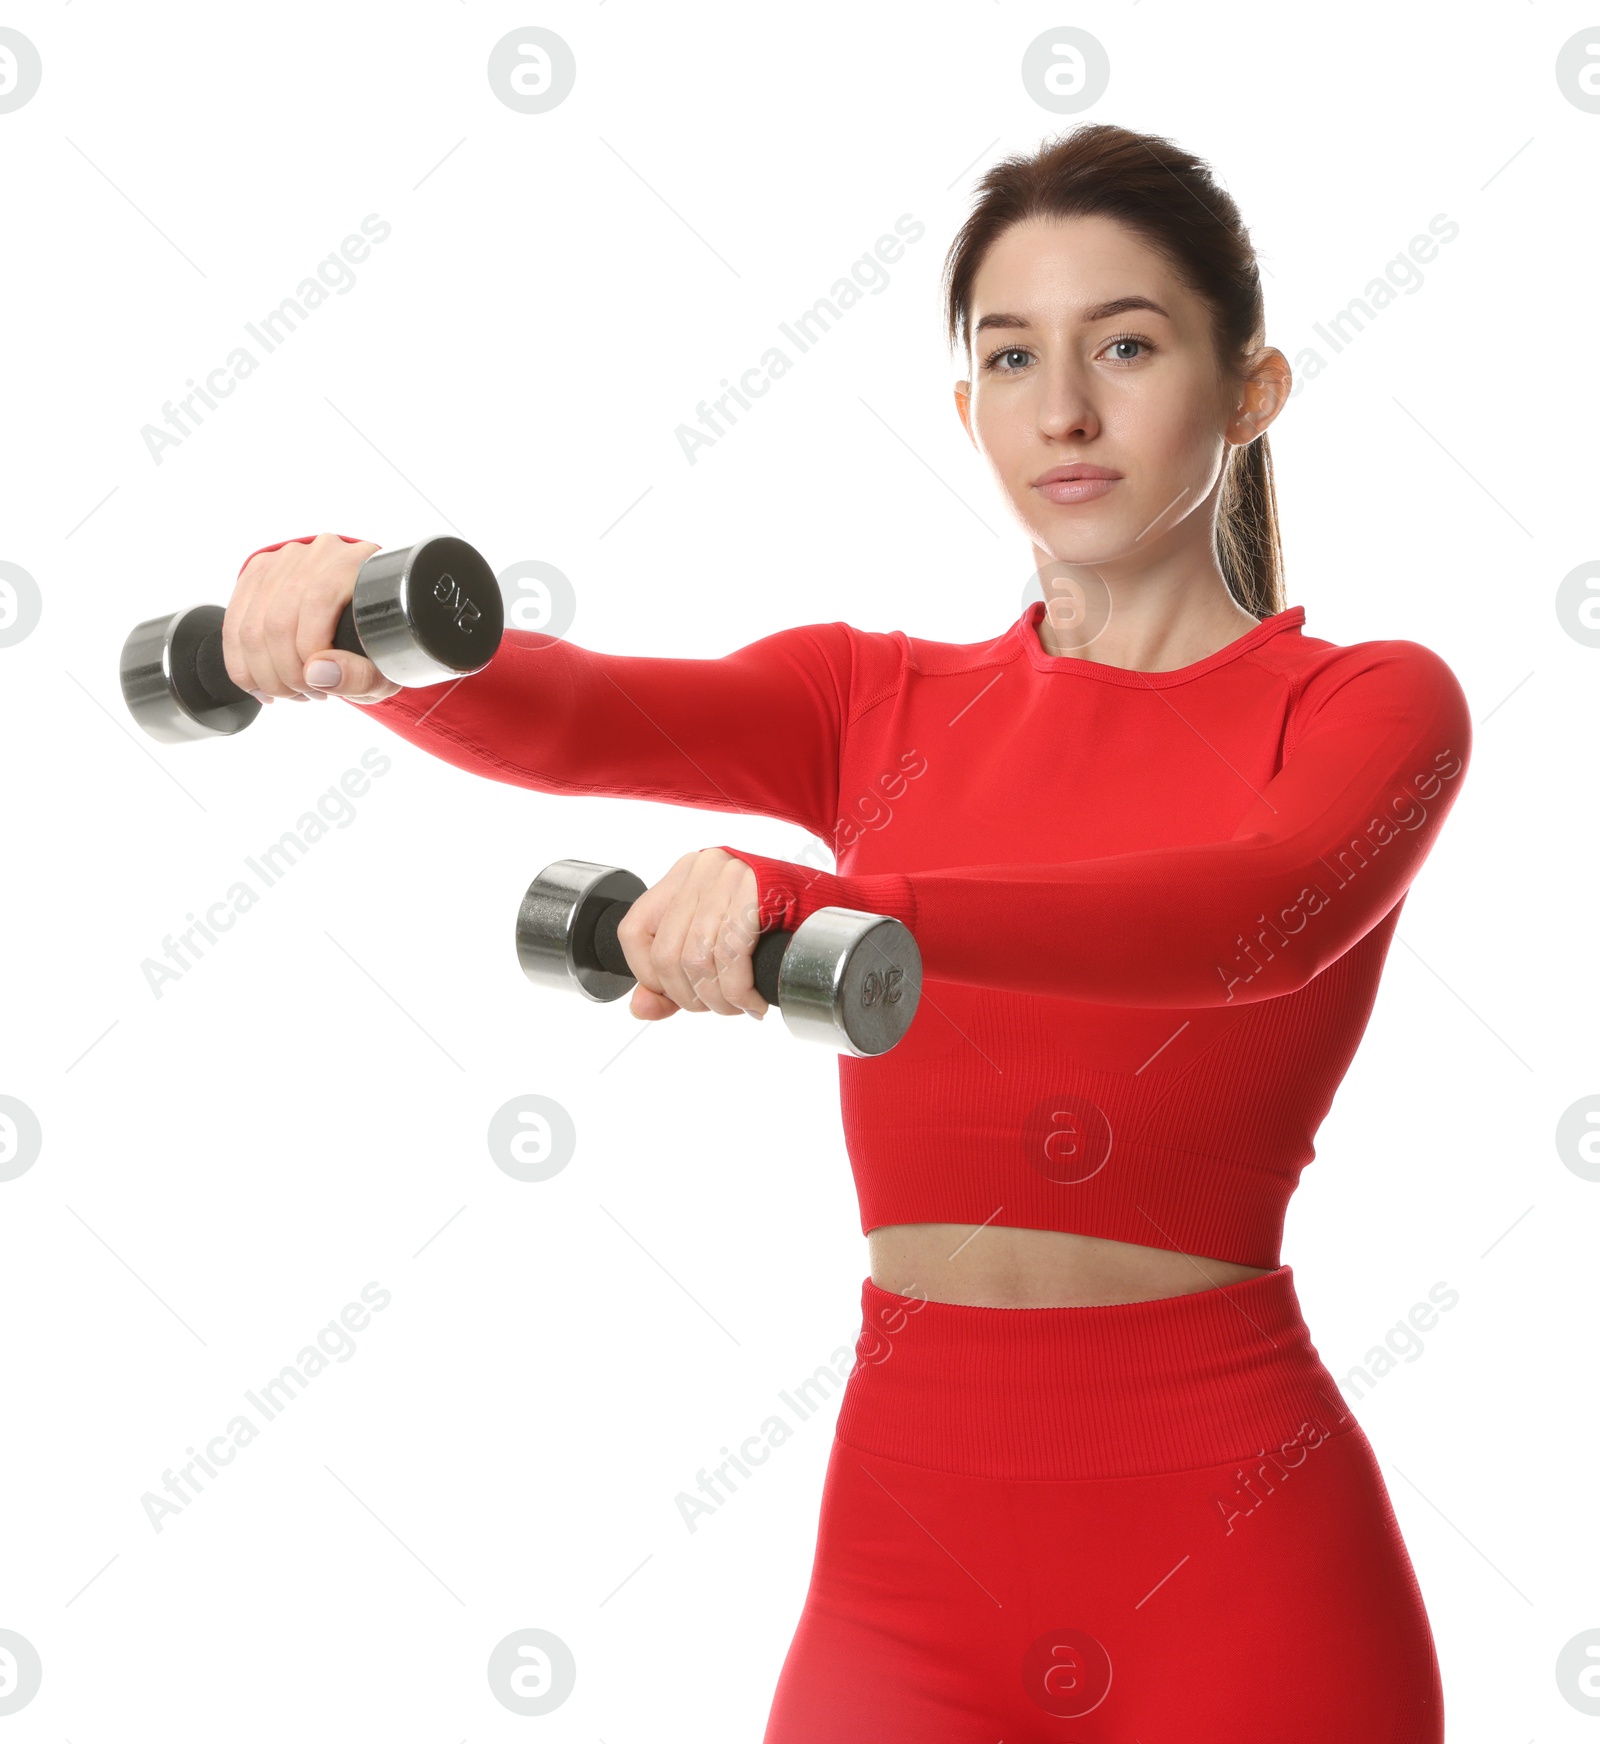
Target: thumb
pixel 337 673
pixel 650 1005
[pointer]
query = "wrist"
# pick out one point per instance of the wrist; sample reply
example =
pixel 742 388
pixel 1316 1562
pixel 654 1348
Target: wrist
pixel 787 893
pixel 303 539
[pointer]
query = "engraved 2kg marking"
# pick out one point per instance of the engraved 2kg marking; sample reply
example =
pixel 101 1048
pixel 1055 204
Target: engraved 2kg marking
pixel 448 590
pixel 881 987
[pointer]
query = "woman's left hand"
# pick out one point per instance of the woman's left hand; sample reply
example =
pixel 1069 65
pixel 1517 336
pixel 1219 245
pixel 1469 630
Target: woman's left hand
pixel 688 939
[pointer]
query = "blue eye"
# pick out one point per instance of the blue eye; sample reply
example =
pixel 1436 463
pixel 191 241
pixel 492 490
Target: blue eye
pixel 1006 351
pixel 1128 339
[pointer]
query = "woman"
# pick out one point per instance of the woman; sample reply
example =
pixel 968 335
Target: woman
pixel 1089 1466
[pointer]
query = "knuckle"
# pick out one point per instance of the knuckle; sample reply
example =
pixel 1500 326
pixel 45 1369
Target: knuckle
pixel 319 608
pixel 690 985
pixel 731 951
pixel 282 616
pixel 326 596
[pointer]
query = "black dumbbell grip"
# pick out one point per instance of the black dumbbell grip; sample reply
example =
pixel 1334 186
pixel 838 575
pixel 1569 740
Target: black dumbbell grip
pixel 765 959
pixel 213 674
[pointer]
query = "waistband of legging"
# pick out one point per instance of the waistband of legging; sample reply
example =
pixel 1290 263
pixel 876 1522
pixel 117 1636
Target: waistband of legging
pixel 1109 1390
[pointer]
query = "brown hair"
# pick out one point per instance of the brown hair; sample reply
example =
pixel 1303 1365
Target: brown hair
pixel 1172 201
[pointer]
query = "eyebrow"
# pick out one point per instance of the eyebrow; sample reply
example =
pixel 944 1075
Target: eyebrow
pixel 1100 312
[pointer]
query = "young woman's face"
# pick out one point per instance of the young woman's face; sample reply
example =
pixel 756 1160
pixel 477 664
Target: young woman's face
pixel 1065 371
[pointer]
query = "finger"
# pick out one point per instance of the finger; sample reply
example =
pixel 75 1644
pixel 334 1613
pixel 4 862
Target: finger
pixel 669 974
pixel 650 1006
pixel 716 951
pixel 636 936
pixel 738 936
pixel 735 942
pixel 237 658
pixel 322 604
pixel 333 672
pixel 267 612
pixel 280 627
pixel 681 951
pixel 302 613
pixel 264 679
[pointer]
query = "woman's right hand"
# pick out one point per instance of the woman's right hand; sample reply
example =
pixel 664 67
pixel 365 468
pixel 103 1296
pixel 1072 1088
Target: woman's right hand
pixel 689 938
pixel 284 614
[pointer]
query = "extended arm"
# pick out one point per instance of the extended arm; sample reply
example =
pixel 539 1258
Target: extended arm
pixel 1328 848
pixel 755 731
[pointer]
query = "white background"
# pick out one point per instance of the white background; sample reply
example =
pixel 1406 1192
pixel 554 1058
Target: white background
pixel 305 1110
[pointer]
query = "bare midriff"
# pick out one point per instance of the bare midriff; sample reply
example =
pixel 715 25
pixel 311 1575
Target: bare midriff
pixel 997 1266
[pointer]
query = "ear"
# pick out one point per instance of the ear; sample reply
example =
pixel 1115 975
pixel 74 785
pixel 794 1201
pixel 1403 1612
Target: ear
pixel 964 409
pixel 1263 394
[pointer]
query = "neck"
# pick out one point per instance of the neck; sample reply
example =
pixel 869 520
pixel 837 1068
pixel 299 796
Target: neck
pixel 1155 625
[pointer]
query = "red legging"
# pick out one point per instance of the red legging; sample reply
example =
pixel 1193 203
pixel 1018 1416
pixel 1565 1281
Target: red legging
pixel 1134 1523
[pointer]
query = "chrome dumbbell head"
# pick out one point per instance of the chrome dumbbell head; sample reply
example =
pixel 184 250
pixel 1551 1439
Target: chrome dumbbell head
pixel 557 923
pixel 850 980
pixel 174 682
pixel 421 614
pixel 428 612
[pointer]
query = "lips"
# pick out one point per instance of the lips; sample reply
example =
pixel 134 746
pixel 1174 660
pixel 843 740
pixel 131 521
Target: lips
pixel 1075 483
pixel 1078 470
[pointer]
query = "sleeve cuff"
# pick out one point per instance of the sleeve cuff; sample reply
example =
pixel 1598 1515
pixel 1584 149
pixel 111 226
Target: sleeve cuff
pixel 301 539
pixel 788 893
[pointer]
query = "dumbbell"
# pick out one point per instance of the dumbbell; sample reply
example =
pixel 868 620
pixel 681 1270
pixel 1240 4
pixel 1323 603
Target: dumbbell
pixel 842 977
pixel 421 614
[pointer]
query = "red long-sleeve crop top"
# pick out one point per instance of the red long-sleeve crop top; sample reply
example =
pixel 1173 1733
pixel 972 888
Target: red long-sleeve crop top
pixel 1153 907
